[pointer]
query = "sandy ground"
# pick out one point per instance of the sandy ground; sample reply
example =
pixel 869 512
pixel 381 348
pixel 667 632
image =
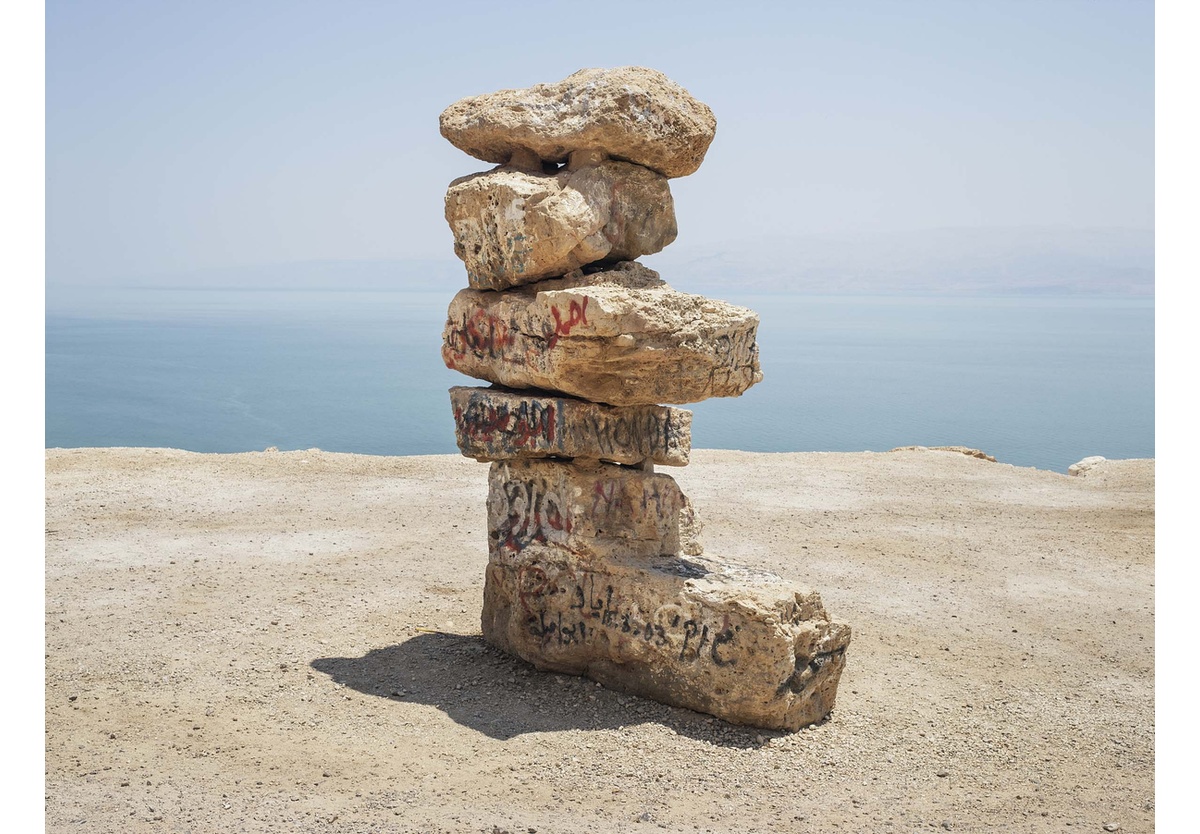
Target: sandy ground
pixel 249 643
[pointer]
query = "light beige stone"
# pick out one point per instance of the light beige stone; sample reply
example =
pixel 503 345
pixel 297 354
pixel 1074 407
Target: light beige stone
pixel 1084 466
pixel 630 113
pixel 619 336
pixel 745 646
pixel 593 510
pixel 498 424
pixel 514 227
pixel 966 450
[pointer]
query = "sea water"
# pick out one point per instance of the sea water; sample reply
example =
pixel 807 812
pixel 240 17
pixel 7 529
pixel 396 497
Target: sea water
pixel 1033 380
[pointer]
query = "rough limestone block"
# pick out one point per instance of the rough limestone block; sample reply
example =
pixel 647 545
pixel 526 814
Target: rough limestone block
pixel 497 424
pixel 747 647
pixel 630 113
pixel 619 336
pixel 593 510
pixel 514 227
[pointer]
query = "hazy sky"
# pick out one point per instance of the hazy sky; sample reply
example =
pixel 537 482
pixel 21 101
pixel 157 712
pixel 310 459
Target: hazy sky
pixel 185 136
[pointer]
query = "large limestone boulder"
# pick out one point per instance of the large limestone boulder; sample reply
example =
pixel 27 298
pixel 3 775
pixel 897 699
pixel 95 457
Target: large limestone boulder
pixel 592 510
pixel 513 227
pixel 620 336
pixel 747 647
pixel 498 424
pixel 630 113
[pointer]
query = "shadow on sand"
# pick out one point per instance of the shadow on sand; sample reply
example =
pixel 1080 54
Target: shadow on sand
pixel 482 688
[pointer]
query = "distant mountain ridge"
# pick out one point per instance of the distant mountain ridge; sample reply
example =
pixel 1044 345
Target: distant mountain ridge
pixel 933 261
pixel 398 274
pixel 936 261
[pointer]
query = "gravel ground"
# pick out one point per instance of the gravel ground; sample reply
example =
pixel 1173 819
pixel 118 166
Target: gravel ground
pixel 290 642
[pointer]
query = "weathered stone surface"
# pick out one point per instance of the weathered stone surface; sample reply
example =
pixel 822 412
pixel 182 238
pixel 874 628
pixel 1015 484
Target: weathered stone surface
pixel 748 647
pixel 498 424
pixel 514 227
pixel 1084 466
pixel 594 510
pixel 619 336
pixel 631 113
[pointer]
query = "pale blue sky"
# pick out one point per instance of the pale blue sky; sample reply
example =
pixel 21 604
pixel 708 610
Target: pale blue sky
pixel 192 136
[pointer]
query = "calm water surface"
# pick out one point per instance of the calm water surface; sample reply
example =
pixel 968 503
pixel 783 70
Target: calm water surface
pixel 1035 381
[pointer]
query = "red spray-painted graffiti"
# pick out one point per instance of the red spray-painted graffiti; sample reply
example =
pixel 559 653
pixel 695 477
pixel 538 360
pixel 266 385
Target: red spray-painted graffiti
pixel 527 424
pixel 576 315
pixel 481 333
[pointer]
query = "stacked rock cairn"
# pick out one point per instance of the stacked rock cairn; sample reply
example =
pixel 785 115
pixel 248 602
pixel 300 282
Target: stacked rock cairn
pixel 595 566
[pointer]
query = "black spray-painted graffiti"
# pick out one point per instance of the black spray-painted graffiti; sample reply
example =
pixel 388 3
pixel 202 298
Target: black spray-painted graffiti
pixel 526 423
pixel 651 431
pixel 477 333
pixel 574 609
pixel 536 513
pixel 735 349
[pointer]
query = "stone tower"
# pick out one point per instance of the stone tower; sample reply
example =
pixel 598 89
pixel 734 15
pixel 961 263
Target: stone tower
pixel 595 564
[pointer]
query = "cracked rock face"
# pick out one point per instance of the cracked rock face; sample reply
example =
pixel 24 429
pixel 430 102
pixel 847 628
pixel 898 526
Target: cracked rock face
pixel 620 336
pixel 498 424
pixel 630 113
pixel 513 227
pixel 747 647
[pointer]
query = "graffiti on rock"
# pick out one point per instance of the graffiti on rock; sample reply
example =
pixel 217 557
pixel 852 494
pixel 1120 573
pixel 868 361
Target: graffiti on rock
pixel 576 315
pixel 536 514
pixel 524 424
pixel 566 608
pixel 479 334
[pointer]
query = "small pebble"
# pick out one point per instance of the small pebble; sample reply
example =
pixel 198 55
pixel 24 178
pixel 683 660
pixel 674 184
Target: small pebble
pixel 943 773
pixel 1111 826
pixel 72 697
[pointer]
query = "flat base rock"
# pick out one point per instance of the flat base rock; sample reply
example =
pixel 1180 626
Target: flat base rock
pixel 592 510
pixel 631 113
pixel 499 424
pixel 619 336
pixel 514 227
pixel 747 647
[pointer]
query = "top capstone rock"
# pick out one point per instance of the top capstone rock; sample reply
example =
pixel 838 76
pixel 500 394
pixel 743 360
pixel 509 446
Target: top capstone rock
pixel 629 113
